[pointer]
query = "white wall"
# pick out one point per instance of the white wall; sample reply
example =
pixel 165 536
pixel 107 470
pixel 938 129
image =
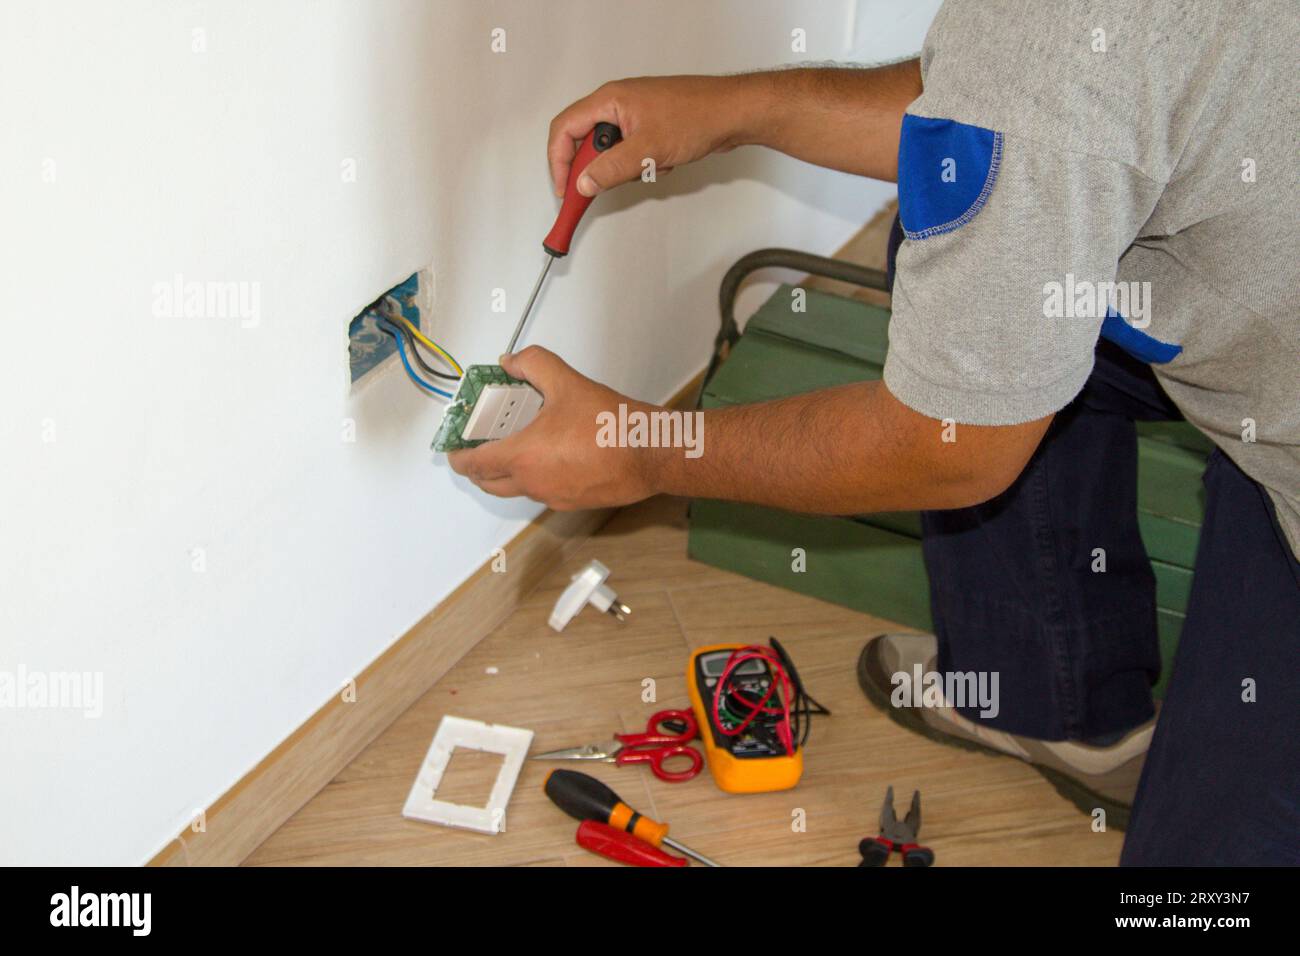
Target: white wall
pixel 180 510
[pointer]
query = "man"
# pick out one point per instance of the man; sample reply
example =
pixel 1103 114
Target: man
pixel 1143 154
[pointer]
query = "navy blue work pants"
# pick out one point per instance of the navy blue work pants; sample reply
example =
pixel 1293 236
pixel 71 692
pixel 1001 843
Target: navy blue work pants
pixel 1014 589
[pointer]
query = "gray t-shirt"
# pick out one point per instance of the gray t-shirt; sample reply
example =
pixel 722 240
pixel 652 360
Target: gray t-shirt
pixel 1067 157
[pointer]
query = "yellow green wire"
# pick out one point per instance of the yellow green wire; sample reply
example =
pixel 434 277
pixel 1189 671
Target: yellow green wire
pixel 433 345
pixel 425 340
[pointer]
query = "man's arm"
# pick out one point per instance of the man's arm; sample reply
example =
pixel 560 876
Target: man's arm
pixel 842 118
pixel 853 449
pixel 848 450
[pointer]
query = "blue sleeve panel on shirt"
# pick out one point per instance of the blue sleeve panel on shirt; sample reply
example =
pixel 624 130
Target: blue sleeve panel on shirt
pixel 1143 347
pixel 946 171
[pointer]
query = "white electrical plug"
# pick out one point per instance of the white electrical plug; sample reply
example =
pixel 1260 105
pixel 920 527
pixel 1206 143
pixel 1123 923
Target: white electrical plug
pixel 587 587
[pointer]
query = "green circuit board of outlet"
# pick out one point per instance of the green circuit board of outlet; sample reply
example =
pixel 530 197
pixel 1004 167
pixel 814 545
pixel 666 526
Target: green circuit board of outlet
pixel 456 417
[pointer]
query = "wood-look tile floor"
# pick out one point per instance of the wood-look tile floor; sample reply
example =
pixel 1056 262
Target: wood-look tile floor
pixel 578 686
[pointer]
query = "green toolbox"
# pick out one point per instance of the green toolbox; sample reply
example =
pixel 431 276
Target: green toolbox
pixel 873 562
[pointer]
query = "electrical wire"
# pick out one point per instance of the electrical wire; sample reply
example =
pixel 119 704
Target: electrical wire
pixel 391 329
pixel 805 704
pixel 429 343
pixel 392 310
pixel 780 680
pixel 414 351
pixel 734 710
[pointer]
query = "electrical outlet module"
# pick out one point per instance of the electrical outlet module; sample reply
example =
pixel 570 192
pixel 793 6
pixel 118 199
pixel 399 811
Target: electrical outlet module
pixel 501 410
pixel 488 405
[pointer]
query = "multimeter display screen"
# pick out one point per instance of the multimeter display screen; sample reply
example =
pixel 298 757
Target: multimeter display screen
pixel 715 664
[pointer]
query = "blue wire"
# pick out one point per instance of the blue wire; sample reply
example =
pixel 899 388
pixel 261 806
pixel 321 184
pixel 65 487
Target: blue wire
pixel 401 350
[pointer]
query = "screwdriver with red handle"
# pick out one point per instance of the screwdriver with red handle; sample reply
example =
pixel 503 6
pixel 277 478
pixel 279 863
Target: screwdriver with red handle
pixel 622 846
pixel 557 241
pixel 586 798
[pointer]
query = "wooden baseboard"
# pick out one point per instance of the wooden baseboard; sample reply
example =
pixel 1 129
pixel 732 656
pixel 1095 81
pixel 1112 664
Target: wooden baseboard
pixel 293 773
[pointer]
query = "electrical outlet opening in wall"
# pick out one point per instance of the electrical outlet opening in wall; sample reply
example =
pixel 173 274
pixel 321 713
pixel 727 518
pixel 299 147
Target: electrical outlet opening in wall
pixel 368 346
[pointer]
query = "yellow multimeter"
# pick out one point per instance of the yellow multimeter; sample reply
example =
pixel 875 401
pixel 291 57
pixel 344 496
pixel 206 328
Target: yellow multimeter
pixel 757 759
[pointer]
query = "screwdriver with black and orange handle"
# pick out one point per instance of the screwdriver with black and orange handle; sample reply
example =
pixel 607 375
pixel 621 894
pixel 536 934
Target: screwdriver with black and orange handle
pixel 557 241
pixel 586 798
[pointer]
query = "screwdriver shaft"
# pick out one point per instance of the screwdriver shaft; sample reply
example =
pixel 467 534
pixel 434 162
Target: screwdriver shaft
pixel 669 841
pixel 537 287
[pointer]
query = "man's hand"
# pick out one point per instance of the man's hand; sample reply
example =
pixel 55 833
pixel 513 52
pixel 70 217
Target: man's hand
pixel 841 118
pixel 556 460
pixel 670 119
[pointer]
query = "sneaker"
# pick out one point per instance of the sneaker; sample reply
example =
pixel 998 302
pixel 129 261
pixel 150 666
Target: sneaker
pixel 1088 776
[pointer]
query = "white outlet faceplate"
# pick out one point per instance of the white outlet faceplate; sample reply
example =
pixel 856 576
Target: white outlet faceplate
pixel 422 802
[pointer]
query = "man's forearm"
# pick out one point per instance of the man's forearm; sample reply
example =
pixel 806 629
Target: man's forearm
pixel 848 450
pixel 842 118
